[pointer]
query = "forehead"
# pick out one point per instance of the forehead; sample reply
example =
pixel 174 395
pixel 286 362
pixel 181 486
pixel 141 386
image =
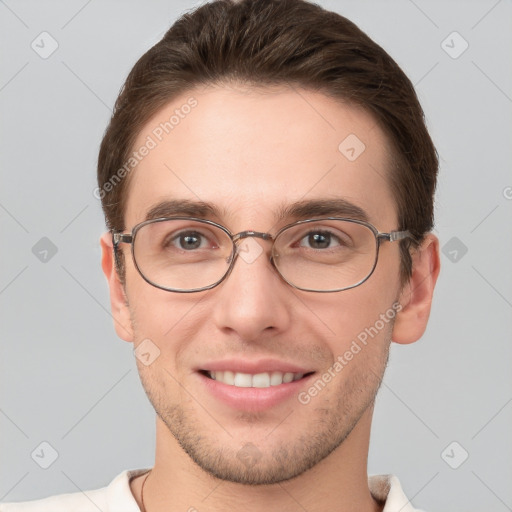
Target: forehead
pixel 251 153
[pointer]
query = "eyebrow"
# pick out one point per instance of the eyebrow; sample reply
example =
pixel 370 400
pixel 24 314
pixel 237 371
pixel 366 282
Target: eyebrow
pixel 322 207
pixel 183 207
pixel 300 210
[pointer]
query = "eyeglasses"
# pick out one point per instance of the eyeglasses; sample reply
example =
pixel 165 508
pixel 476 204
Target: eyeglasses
pixel 187 254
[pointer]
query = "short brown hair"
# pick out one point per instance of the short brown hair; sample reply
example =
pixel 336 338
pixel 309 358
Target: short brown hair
pixel 278 42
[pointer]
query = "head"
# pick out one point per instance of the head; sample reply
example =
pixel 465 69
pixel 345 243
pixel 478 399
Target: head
pixel 245 106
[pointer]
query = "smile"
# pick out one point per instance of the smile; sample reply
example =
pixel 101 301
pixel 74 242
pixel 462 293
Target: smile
pixel 258 380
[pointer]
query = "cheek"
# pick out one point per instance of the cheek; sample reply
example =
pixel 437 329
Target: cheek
pixel 361 325
pixel 163 318
pixel 169 320
pixel 154 312
pixel 349 314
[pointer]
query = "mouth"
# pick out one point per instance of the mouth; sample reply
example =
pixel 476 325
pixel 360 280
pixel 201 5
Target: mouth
pixel 254 380
pixel 253 385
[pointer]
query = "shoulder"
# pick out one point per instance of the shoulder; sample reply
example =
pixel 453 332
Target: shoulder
pixel 116 497
pixel 387 489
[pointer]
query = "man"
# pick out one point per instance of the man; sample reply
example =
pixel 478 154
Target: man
pixel 267 181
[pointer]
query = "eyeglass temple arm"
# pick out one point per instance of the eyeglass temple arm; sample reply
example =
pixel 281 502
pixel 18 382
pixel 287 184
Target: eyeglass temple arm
pixel 118 238
pixel 393 236
pixel 121 238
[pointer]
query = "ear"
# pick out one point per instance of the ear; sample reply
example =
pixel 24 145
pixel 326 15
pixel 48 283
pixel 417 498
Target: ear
pixel 118 299
pixel 416 296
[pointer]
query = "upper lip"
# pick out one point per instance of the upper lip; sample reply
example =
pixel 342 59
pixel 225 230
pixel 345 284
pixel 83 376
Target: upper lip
pixel 254 367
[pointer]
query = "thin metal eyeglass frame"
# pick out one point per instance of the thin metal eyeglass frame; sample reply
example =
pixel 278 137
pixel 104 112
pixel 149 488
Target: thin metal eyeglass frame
pixel 129 238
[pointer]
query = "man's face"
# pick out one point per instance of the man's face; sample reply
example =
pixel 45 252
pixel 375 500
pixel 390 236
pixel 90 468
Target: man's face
pixel 251 153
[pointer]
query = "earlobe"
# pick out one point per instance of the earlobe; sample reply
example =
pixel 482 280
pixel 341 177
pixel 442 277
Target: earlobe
pixel 118 300
pixel 416 296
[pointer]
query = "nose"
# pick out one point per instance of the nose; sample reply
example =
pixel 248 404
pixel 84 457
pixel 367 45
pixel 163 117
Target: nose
pixel 253 301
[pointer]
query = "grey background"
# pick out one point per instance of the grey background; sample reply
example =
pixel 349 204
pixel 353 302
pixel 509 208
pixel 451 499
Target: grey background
pixel 66 378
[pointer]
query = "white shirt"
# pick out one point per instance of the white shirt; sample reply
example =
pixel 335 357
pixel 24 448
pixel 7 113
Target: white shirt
pixel 118 497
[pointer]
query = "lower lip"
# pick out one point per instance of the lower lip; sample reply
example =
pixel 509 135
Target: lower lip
pixel 253 399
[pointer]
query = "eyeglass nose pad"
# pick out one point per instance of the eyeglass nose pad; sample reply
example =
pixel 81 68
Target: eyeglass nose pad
pixel 233 255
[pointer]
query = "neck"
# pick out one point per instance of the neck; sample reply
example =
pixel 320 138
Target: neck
pixel 339 482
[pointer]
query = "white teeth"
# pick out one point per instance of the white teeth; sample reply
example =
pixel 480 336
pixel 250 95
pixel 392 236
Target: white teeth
pixel 276 378
pixel 287 377
pixel 228 378
pixel 243 380
pixel 259 380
